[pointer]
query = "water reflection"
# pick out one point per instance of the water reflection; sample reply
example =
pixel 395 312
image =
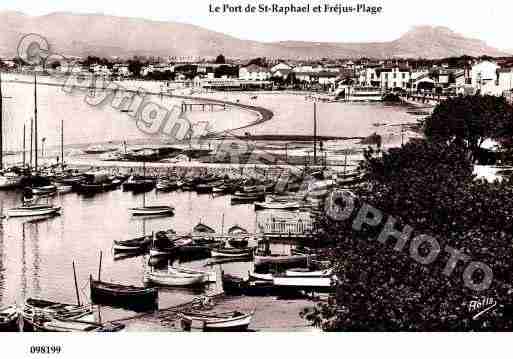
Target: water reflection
pixel 36 254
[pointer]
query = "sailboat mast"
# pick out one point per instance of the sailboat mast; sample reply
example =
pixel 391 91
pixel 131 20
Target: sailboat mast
pixel 24 145
pixel 35 121
pixel 315 132
pixel 31 140
pixel 62 143
pixel 144 178
pixel 1 127
pixel 76 284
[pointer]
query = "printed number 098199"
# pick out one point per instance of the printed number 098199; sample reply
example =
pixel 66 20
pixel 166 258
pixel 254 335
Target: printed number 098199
pixel 45 349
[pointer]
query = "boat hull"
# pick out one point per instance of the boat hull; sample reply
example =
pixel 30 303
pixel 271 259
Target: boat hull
pixel 152 211
pixel 231 254
pixel 170 280
pixel 240 323
pixel 283 260
pixel 307 283
pixel 27 212
pixel 123 296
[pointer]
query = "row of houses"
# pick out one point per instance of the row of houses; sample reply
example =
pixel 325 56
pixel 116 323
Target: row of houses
pixel 485 76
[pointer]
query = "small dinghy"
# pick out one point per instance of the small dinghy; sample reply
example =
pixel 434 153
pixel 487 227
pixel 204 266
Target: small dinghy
pixel 30 210
pixel 230 321
pixel 232 253
pixel 166 278
pixel 139 244
pixel 37 311
pixel 77 326
pixel 283 206
pixel 9 319
pixel 210 276
pixel 152 211
pixel 280 259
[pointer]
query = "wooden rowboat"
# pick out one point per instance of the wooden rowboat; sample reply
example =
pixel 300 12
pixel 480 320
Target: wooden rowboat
pixel 280 259
pixel 166 278
pixel 123 295
pixel 72 326
pixel 32 210
pixel 210 276
pixel 133 245
pixel 152 211
pixel 40 310
pixel 230 321
pixel 232 252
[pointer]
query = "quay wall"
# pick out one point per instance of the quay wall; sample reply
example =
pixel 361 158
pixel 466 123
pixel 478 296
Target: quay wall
pixel 161 169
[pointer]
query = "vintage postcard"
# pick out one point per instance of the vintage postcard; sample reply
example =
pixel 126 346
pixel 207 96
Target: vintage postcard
pixel 259 166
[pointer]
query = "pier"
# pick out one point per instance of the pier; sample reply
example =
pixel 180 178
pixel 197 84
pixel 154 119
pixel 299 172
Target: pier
pixel 203 106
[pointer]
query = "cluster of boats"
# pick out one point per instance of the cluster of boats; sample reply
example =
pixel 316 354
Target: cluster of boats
pixel 201 242
pixel 299 271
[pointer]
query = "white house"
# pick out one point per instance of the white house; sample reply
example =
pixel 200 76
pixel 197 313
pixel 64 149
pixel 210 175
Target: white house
pixel 484 75
pixel 368 76
pixel 254 73
pixel 505 79
pixel 394 77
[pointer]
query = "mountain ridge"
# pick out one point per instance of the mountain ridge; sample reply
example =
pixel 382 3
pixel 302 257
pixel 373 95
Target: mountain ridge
pixel 97 34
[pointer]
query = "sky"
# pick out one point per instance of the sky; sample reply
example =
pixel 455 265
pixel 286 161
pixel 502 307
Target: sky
pixel 485 20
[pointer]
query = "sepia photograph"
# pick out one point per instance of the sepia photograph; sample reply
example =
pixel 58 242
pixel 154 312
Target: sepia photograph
pixel 262 167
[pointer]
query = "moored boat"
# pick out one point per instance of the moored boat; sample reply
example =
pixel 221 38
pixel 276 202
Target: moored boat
pixel 241 197
pixel 10 180
pixel 33 210
pixel 79 326
pixel 139 184
pixel 230 321
pixel 304 272
pixel 280 259
pixel 267 277
pixel 133 245
pixel 123 295
pixel 232 252
pixel 303 282
pixel 9 319
pixel 152 211
pixel 210 276
pixel 283 206
pixel 170 279
pixel 36 311
pixel 238 237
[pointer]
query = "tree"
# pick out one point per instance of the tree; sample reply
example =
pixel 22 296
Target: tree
pixel 220 59
pixel 135 66
pixel 468 121
pixel 259 61
pixel 430 187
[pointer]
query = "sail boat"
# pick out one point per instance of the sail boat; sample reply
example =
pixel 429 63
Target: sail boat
pixel 32 209
pixel 145 210
pixel 8 179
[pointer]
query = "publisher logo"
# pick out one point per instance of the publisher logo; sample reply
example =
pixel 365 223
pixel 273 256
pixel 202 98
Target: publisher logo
pixel 481 306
